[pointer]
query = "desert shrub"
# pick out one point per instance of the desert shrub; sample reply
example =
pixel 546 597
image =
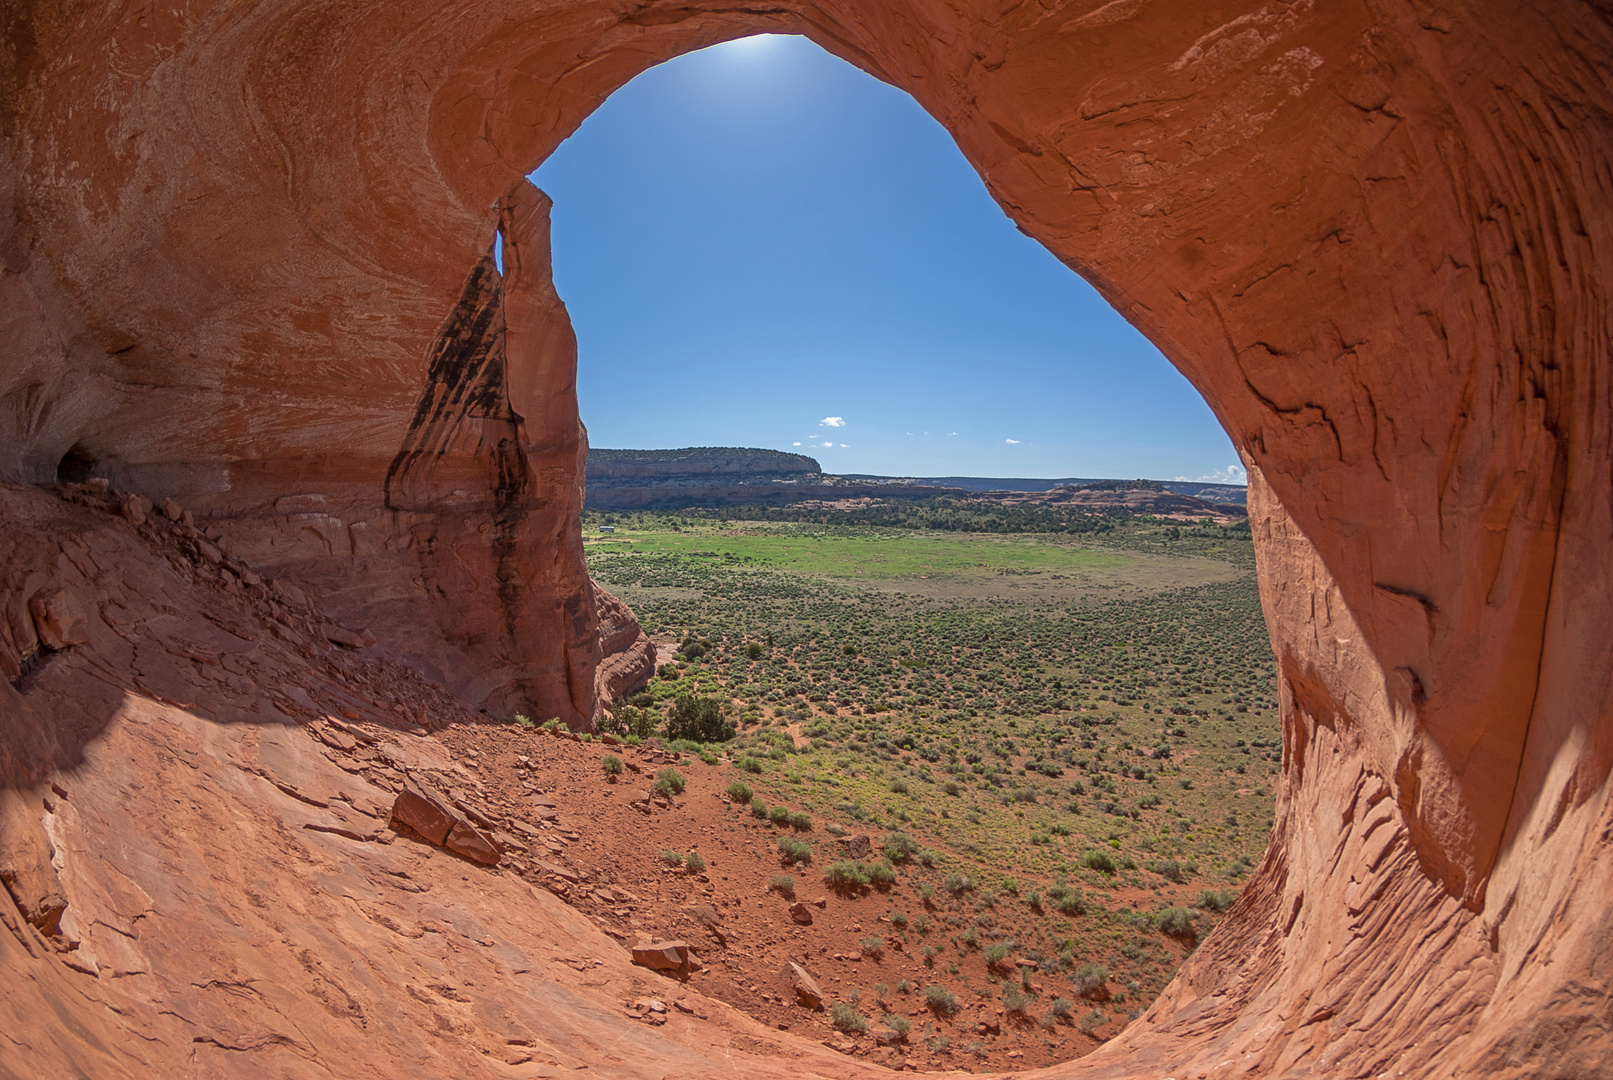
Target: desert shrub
pixel 1033 900
pixel 799 820
pixel 927 857
pixel 1216 899
pixel 694 864
pixel 793 851
pixel 1099 860
pixel 1088 978
pixel 700 719
pixel 939 1044
pixel 739 791
pixel 941 1000
pixel 553 724
pixel 1177 921
pixel 1061 1009
pixel 899 847
pixel 611 764
pixel 1068 901
pixel 779 815
pixel 957 884
pixel 872 945
pixel 758 809
pixel 899 1024
pixel 846 874
pixel 669 782
pixel 995 954
pixel 670 857
pixel 750 765
pixel 783 884
pixel 1092 1020
pixel 899 919
pixel 926 891
pixel 846 1018
pixel 881 873
pixel 754 650
pixel 1015 1000
pixel 1169 869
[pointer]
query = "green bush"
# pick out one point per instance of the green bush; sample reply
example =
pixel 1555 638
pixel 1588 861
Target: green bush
pixel 899 1024
pixel 611 764
pixel 751 765
pixel 882 874
pixel 1088 978
pixel 758 809
pixel 553 724
pixel 899 847
pixel 754 650
pixel 995 954
pixel 941 1000
pixel 872 945
pixel 846 874
pixel 846 1018
pixel 1176 921
pixel 1061 1009
pixel 700 719
pixel 670 857
pixel 793 851
pixel 739 791
pixel 779 815
pixel 669 782
pixel 799 820
pixel 1015 1000
pixel 1217 899
pixel 1099 860
pixel 957 884
pixel 694 864
pixel 783 884
pixel 1169 869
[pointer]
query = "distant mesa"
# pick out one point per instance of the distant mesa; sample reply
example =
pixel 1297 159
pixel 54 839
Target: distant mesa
pixel 713 476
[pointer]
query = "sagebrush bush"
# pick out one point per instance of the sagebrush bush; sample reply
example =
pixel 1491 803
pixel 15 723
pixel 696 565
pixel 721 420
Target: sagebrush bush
pixel 693 863
pixel 739 791
pixel 670 857
pixel 846 874
pixel 793 851
pixel 611 764
pixel 941 1000
pixel 783 884
pixel 669 782
pixel 846 1018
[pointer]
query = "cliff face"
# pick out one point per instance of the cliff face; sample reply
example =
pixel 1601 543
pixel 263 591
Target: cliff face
pixel 1376 235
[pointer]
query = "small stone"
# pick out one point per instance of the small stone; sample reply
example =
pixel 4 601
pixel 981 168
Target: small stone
pixel 172 510
pixel 801 913
pixel 858 845
pixel 135 508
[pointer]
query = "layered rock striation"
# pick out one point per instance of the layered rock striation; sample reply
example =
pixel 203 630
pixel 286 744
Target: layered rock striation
pixel 244 265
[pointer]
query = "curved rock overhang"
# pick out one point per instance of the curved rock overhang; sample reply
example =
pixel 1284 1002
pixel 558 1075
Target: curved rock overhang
pixel 1375 235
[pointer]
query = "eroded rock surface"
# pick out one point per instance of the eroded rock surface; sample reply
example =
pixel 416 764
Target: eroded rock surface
pixel 1376 235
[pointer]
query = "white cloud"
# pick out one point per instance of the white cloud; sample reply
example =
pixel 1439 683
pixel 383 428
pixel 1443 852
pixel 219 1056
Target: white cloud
pixel 796 443
pixel 952 433
pixel 829 443
pixel 845 446
pixel 832 421
pixel 1233 474
pixel 1011 442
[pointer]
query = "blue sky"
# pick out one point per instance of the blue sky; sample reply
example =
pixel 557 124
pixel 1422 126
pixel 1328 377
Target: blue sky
pixel 760 245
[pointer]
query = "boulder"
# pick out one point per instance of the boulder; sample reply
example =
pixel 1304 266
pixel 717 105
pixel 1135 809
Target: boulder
pixel 465 839
pixel 425 811
pixel 58 619
pixel 805 986
pixel 801 913
pixel 662 956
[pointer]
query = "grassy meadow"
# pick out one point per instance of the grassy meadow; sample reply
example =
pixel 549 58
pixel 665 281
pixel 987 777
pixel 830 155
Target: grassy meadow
pixel 1082 729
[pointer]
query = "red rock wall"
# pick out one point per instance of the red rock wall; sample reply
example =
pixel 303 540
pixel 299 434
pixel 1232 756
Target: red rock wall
pixel 1375 234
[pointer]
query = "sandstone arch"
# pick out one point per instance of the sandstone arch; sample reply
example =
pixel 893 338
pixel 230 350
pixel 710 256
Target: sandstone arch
pixel 1375 234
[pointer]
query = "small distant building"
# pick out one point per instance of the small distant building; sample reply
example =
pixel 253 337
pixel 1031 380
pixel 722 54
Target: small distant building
pixel 607 528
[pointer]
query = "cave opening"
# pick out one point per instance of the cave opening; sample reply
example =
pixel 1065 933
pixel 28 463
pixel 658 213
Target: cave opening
pixel 706 285
pixel 76 466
